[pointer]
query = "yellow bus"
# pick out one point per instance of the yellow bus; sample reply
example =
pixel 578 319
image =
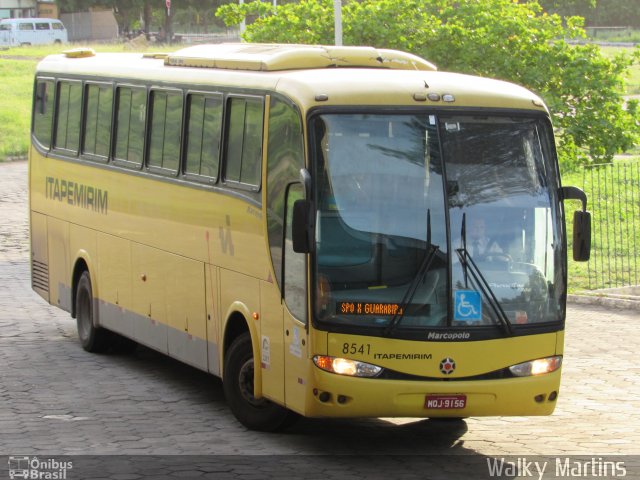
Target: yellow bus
pixel 333 231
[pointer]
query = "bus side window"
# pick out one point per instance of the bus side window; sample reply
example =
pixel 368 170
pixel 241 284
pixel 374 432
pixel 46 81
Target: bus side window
pixel 204 129
pixel 97 121
pixel 43 112
pixel 69 107
pixel 131 105
pixel 244 141
pixel 166 118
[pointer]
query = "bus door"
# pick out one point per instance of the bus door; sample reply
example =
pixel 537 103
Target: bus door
pixel 286 331
pixel 283 350
pixel 296 338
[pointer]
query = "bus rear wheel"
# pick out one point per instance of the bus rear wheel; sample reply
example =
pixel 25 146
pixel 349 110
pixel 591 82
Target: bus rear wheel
pixel 92 338
pixel 254 413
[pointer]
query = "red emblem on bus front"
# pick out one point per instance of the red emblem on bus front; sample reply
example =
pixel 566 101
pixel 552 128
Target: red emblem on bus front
pixel 447 366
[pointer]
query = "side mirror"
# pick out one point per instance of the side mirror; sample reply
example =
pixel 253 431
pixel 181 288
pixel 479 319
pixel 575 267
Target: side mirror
pixel 581 236
pixel 581 224
pixel 301 227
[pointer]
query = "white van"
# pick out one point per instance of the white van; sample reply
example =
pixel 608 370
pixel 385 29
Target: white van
pixel 31 31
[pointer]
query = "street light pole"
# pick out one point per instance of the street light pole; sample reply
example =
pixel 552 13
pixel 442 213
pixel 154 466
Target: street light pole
pixel 168 34
pixel 337 14
pixel 243 24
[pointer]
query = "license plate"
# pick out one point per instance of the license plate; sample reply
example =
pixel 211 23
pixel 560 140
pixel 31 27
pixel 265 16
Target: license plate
pixel 445 402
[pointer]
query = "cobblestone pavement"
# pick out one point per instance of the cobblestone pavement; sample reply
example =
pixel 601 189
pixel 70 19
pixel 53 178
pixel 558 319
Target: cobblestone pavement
pixel 56 399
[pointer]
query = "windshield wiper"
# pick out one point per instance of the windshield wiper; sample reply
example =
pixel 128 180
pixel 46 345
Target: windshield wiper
pixel 480 281
pixel 427 260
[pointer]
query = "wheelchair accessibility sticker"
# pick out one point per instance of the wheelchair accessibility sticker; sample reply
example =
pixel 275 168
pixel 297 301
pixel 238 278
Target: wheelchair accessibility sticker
pixel 468 306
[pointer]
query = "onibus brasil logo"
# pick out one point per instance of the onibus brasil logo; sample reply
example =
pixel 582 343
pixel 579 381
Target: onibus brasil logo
pixel 40 469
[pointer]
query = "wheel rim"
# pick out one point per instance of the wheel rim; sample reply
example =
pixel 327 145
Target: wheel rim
pixel 245 380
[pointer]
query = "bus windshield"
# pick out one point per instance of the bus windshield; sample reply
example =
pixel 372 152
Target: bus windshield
pixel 428 221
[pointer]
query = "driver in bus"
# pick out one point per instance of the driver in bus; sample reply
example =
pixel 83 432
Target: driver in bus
pixel 479 244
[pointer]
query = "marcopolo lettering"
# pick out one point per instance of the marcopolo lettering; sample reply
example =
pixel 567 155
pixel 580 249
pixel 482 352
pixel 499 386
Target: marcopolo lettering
pixel 77 194
pixel 449 336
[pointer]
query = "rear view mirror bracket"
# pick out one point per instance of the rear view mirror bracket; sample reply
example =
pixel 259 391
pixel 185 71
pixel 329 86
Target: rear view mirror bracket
pixel 574 193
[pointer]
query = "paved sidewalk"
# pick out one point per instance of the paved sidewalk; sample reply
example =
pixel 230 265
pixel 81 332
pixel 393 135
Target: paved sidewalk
pixel 56 399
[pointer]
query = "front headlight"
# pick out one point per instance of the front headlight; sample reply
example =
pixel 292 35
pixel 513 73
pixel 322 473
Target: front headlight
pixel 537 367
pixel 344 366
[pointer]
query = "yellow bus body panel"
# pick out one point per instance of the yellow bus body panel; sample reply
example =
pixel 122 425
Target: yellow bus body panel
pixel 147 253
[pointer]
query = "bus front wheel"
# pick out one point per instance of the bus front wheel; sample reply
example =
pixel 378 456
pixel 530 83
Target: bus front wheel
pixel 92 338
pixel 254 413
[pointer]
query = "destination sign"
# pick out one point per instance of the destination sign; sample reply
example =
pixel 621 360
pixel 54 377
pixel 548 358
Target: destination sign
pixel 368 308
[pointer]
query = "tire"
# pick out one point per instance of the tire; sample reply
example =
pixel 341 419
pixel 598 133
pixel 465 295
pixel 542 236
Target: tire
pixel 93 339
pixel 255 414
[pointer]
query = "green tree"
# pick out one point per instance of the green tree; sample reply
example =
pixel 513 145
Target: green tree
pixel 495 38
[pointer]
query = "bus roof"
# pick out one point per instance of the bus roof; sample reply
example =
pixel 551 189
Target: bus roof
pixel 275 57
pixel 309 75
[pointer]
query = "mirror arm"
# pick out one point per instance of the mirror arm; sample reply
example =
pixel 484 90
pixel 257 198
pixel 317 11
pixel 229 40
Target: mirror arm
pixel 574 193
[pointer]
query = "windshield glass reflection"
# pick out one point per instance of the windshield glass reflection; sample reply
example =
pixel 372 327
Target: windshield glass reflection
pixel 386 187
pixel 502 209
pixel 380 203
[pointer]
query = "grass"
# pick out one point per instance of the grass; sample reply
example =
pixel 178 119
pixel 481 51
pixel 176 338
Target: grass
pixel 41 51
pixel 16 86
pixel 633 80
pixel 626 35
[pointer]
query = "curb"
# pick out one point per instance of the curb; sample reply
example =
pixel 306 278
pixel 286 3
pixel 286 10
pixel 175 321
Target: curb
pixel 17 158
pixel 605 301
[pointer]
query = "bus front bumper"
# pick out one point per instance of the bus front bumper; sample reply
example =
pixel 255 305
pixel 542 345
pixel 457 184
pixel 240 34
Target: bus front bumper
pixel 334 395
